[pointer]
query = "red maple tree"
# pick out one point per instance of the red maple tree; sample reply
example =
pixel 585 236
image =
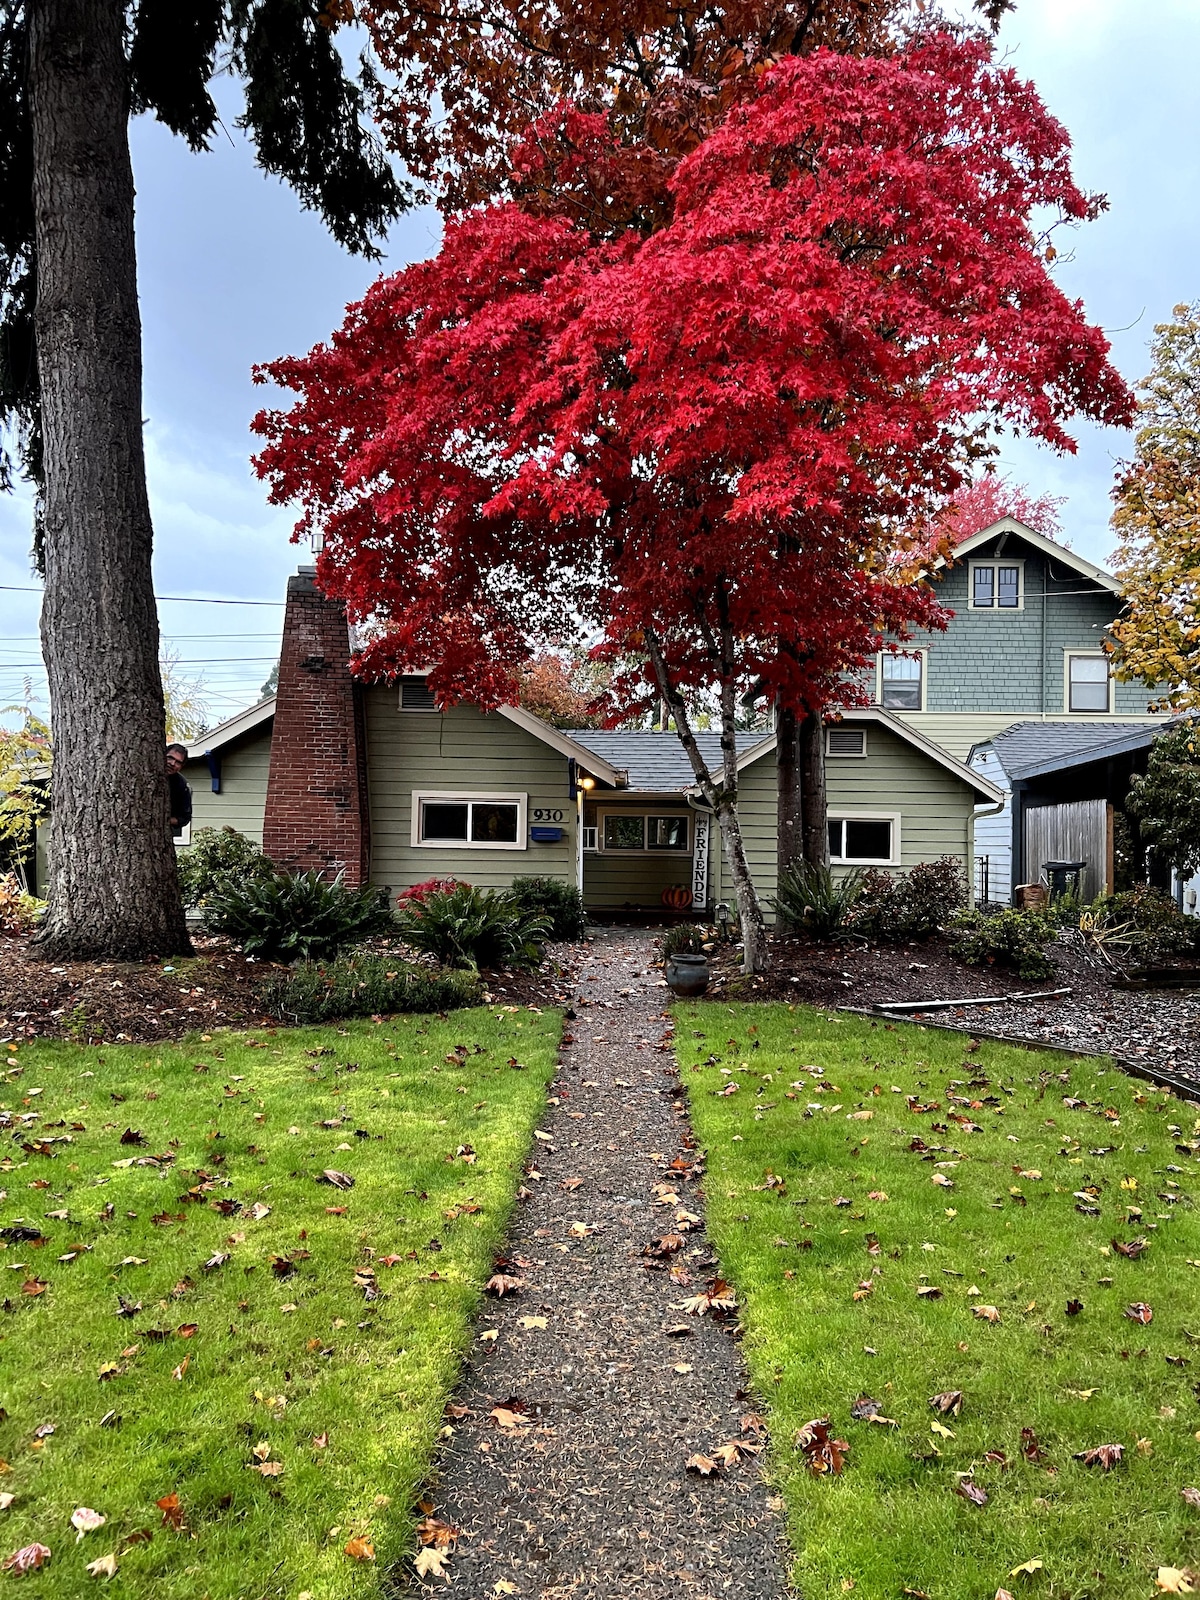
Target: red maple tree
pixel 989 498
pixel 705 442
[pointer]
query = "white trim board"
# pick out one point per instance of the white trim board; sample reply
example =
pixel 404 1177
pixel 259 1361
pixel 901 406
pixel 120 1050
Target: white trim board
pixel 1047 547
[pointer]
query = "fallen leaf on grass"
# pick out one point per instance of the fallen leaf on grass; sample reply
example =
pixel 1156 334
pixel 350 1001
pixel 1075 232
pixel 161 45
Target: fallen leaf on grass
pixel 28 1558
pixel 1131 1249
pixel 85 1520
pixel 360 1549
pixel 1191 1496
pixel 269 1469
pixel 432 1530
pixel 1105 1456
pixel 941 1431
pixel 178 1372
pixel 1074 1307
pixel 335 1179
pixel 949 1403
pixel 971 1492
pixel 1176 1580
pixel 7 1499
pixel 987 1313
pixel 1030 1567
pixel 864 1408
pixel 104 1567
pixel 34 1286
pixel 258 1211
pixel 172 1511
pixel 928 1291
pixel 1139 1311
pixel 1030 1448
pixel 821 1451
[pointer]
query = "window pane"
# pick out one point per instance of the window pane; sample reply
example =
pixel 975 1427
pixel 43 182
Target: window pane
pixel 902 682
pixel 868 841
pixel 493 822
pixel 624 833
pixel 667 833
pixel 443 820
pixel 835 841
pixel 983 579
pixel 1009 586
pixel 1089 683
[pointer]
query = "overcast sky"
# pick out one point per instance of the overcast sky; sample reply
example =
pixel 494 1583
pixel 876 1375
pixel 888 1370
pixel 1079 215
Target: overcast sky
pixel 232 272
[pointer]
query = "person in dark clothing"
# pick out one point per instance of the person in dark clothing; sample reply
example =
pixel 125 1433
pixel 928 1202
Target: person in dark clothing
pixel 178 789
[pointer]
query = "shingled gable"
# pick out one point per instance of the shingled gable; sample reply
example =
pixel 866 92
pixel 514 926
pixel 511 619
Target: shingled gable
pixel 1047 547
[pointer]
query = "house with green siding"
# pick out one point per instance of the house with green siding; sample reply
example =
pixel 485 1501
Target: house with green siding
pixel 1025 643
pixel 373 780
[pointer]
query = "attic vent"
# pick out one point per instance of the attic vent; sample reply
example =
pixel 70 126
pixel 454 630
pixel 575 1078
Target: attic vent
pixel 845 741
pixel 416 695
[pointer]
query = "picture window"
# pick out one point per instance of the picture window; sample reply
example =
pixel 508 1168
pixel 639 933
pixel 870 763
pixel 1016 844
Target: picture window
pixel 861 839
pixel 470 822
pixel 653 832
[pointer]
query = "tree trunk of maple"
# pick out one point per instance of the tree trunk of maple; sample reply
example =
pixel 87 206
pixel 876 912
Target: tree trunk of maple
pixel 114 889
pixel 814 806
pixel 722 796
pixel 789 834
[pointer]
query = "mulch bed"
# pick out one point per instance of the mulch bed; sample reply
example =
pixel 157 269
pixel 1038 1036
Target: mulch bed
pixel 219 987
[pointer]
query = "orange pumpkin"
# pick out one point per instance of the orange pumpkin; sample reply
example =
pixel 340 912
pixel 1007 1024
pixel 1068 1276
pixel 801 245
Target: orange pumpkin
pixel 677 898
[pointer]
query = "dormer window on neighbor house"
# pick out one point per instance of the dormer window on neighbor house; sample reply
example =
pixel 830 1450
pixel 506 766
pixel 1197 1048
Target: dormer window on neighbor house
pixel 997 586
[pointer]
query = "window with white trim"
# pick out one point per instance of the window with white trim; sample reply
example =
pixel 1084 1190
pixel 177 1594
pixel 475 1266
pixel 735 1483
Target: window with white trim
pixel 469 821
pixel 653 832
pixel 862 841
pixel 902 682
pixel 1088 683
pixel 842 741
pixel 996 585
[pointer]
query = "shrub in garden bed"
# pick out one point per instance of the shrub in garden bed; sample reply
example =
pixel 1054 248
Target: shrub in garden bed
pixel 366 986
pixel 813 900
pixel 470 927
pixel 892 907
pixel 286 917
pixel 220 861
pixel 1143 924
pixel 1007 938
pixel 560 903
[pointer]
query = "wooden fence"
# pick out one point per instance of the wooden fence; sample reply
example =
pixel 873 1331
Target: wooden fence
pixel 1078 831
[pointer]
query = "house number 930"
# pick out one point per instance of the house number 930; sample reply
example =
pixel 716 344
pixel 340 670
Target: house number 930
pixel 544 814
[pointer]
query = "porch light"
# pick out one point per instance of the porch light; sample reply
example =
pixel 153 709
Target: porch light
pixel 587 783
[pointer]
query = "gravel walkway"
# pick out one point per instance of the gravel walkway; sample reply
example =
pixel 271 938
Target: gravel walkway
pixel 589 1388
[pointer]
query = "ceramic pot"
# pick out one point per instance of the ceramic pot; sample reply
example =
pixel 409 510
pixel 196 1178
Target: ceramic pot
pixel 687 975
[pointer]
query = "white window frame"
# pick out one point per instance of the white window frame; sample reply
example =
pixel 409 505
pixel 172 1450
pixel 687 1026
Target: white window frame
pixel 652 811
pixel 919 655
pixel 867 816
pixel 466 796
pixel 184 836
pixel 846 755
pixel 996 609
pixel 1070 655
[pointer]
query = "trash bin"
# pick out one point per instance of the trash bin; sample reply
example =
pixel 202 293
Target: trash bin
pixel 1064 877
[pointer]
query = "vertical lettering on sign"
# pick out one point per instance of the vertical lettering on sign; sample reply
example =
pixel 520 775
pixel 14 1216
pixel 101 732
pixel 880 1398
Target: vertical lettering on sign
pixel 700 860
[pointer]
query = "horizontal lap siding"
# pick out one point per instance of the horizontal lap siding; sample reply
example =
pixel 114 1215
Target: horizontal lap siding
pixel 633 878
pixel 243 797
pixel 461 750
pixel 935 807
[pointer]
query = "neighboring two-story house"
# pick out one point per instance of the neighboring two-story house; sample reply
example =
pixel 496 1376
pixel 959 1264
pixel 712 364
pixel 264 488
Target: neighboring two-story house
pixel 1022 666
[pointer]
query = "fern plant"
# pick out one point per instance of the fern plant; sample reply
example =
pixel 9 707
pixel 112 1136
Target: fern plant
pixel 300 916
pixel 473 928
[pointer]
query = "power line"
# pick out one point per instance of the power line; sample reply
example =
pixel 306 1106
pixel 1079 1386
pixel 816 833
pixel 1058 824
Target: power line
pixel 186 599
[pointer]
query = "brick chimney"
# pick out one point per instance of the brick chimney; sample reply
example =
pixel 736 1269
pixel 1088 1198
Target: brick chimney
pixel 316 813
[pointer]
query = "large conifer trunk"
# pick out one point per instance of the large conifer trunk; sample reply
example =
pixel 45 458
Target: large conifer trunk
pixel 114 889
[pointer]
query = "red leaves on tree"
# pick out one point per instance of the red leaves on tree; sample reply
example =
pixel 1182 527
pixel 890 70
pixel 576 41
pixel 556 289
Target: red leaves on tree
pixel 709 440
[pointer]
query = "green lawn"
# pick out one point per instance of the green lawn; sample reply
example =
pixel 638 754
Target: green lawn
pixel 1019 1232
pixel 315 1337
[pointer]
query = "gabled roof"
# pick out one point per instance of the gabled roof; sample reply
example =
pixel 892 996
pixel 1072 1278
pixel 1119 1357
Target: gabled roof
pixel 1035 749
pixel 1039 541
pixel 256 716
pixel 232 728
pixel 657 763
